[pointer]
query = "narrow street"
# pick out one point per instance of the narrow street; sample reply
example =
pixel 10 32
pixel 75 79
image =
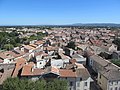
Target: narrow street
pixel 94 85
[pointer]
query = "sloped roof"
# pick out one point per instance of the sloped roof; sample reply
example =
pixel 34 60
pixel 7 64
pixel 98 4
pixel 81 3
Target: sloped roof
pixel 5 55
pixel 27 70
pixel 111 74
pixel 19 64
pixel 28 47
pixel 39 42
pixel 99 60
pixel 67 73
pixel 81 71
pixel 52 69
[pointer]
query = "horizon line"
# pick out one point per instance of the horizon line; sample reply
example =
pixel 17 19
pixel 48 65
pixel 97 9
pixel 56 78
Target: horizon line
pixel 53 24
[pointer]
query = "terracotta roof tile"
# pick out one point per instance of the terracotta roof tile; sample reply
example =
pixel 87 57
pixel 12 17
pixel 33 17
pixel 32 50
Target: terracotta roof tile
pixel 33 45
pixel 50 48
pixel 52 69
pixel 27 70
pixel 38 71
pixel 16 53
pixel 39 42
pixel 28 47
pixel 6 54
pixel 79 72
pixel 67 73
pixel 19 64
pixel 1 61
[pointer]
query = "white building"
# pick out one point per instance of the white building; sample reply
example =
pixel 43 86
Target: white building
pixel 77 75
pixel 79 58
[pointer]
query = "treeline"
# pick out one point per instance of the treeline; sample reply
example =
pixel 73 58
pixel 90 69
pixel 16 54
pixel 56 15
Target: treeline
pixel 24 84
pixel 10 40
pixel 28 27
pixel 38 36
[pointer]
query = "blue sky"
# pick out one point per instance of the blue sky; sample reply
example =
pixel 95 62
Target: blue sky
pixel 26 12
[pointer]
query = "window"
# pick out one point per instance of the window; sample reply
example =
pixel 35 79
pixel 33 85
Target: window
pixel 111 88
pixel 42 57
pixel 85 84
pixel 115 88
pixel 78 84
pixel 71 83
pixel 100 76
pixel 80 79
pixel 116 82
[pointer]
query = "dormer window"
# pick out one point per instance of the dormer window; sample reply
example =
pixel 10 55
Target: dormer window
pixel 42 57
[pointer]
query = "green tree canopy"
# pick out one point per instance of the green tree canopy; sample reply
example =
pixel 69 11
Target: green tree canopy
pixel 24 84
pixel 8 46
pixel 71 45
pixel 116 62
pixel 117 42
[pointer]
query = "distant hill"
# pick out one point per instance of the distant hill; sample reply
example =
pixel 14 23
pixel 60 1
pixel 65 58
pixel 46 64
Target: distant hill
pixel 67 25
pixel 97 24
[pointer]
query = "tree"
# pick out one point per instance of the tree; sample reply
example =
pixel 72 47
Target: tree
pixel 17 84
pixel 116 62
pixel 71 45
pixel 117 42
pixel 33 37
pixel 60 84
pixel 40 85
pixel 13 84
pixel 24 84
pixel 9 40
pixel 8 46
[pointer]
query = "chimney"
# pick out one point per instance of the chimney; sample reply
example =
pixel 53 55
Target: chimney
pixel 74 68
pixel 32 69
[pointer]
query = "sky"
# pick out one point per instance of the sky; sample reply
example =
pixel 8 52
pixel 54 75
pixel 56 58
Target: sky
pixel 41 12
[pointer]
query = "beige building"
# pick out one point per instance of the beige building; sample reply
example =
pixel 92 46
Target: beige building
pixel 109 80
pixel 108 74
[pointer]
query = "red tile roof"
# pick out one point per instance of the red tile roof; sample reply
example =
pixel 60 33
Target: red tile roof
pixel 81 71
pixel 27 70
pixel 19 64
pixel 39 42
pixel 38 71
pixel 67 73
pixel 52 69
pixel 1 61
